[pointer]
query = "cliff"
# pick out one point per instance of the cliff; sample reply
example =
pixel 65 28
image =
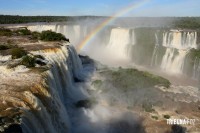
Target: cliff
pixel 34 98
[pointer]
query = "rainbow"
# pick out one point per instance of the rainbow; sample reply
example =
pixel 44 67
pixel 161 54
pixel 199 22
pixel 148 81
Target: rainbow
pixel 101 26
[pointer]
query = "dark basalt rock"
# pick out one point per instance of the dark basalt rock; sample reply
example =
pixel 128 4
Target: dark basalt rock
pixel 14 128
pixel 39 62
pixel 78 80
pixel 86 103
pixel 178 129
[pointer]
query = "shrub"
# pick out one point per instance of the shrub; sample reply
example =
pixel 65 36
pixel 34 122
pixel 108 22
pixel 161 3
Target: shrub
pixel 24 31
pixel 97 83
pixel 52 36
pixel 28 61
pixel 36 35
pixel 166 116
pixel 6 46
pixel 5 32
pixel 17 53
pixel 3 47
pixel 154 117
pixel 129 79
pixel 148 107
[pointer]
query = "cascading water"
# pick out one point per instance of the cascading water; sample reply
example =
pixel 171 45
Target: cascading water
pixel 196 68
pixel 172 61
pixel 178 44
pixel 119 40
pixel 169 52
pixel 180 40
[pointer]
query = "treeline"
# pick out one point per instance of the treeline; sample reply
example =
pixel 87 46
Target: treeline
pixel 177 22
pixel 187 23
pixel 7 19
pixel 10 19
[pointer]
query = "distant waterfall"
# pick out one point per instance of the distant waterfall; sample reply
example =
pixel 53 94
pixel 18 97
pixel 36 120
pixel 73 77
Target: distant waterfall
pixel 158 48
pixel 118 43
pixel 178 44
pixel 154 60
pixel 196 68
pixel 73 32
pixel 173 62
pixel 180 40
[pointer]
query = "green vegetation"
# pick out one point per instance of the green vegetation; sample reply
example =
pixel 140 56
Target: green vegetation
pixel 8 19
pixel 5 32
pixel 148 107
pixel 188 23
pixel 24 31
pixel 195 53
pixel 36 35
pixel 18 53
pixel 44 36
pixel 154 117
pixel 5 47
pixel 11 19
pixel 28 61
pixel 97 83
pixel 52 36
pixel 127 79
pixel 166 116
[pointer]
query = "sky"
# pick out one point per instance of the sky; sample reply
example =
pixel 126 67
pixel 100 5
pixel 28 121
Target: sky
pixel 148 8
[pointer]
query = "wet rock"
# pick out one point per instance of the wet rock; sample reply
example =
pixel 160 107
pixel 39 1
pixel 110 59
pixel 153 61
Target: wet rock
pixel 178 129
pixel 78 80
pixel 14 128
pixel 87 103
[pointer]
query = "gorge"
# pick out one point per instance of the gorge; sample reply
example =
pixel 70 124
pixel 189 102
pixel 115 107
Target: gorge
pixel 107 86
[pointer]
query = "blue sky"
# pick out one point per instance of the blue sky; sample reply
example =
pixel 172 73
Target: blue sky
pixel 151 8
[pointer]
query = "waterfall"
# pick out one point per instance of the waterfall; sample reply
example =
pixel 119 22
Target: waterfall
pixel 173 62
pixel 167 49
pixel 74 32
pixel 178 44
pixel 42 100
pixel 154 59
pixel 40 28
pixel 180 40
pixel 119 40
pixel 196 68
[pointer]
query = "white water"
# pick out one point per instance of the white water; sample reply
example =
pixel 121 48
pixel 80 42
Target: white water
pixel 74 32
pixel 173 62
pixel 118 43
pixel 180 40
pixel 196 69
pixel 178 44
